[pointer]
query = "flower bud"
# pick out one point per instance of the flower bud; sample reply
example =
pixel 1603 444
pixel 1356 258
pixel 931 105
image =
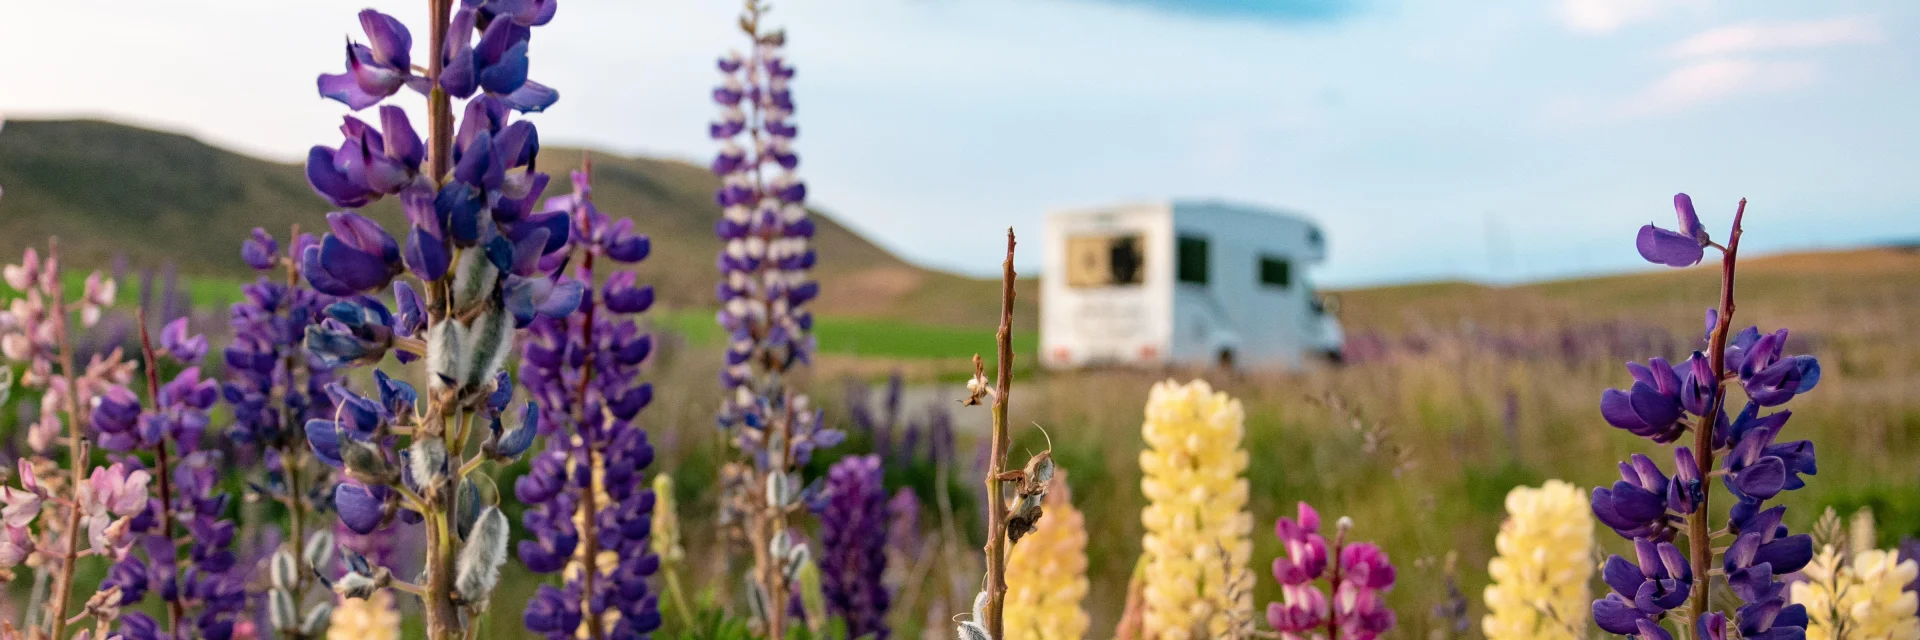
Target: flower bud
pixel 283 571
pixel 316 620
pixel 280 609
pixel 477 569
pixel 427 461
pixel 366 463
pixel 319 549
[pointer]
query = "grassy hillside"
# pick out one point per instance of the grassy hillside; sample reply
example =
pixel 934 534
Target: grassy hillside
pixel 108 189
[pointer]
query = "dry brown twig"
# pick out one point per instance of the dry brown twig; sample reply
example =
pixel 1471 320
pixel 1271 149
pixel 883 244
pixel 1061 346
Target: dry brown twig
pixel 1005 525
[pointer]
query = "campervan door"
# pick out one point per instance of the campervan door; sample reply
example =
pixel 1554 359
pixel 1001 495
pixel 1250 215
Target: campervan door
pixel 1110 302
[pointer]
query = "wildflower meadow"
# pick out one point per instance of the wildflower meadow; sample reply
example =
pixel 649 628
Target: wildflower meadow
pixel 460 401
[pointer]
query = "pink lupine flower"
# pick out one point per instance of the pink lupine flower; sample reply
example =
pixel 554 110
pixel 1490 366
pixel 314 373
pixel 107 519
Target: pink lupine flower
pixel 21 506
pixel 16 544
pixel 117 490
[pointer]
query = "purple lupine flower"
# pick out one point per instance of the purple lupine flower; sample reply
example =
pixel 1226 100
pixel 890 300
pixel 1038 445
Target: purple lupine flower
pixel 1358 576
pixel 583 371
pixel 1675 248
pixel 198 581
pixel 765 262
pixel 374 70
pixel 853 561
pixel 483 265
pixel 1651 508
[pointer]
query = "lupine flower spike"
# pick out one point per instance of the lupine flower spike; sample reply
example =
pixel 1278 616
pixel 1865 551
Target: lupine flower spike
pixel 62 507
pixel 764 287
pixel 853 561
pixel 1047 573
pixel 274 387
pixel 590 508
pixel 1540 578
pixel 1358 575
pixel 1653 507
pixel 476 264
pixel 201 581
pixel 1853 590
pixel 1192 474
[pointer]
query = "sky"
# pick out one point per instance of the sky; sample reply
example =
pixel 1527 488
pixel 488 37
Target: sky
pixel 1496 141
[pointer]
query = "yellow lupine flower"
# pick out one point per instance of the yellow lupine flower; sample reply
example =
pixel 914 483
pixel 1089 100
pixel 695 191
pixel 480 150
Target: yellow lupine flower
pixel 1545 561
pixel 373 618
pixel 1047 573
pixel 1864 599
pixel 1198 532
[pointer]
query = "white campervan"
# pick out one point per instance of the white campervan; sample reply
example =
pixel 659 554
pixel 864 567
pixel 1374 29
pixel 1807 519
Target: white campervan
pixel 1183 283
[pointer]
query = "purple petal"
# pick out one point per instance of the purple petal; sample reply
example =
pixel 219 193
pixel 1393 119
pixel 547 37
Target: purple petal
pixel 323 437
pixel 333 184
pixel 388 38
pixel 1786 555
pixel 319 278
pixel 1617 408
pixel 532 97
pixel 357 270
pixel 1616 616
pixel 1660 246
pixel 1763 480
pixel 1689 221
pixel 426 255
pixel 403 143
pixel 358 507
pixel 345 89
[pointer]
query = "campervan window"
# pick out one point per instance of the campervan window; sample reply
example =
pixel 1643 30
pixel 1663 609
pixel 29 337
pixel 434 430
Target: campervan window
pixel 1193 260
pixel 1104 261
pixel 1275 273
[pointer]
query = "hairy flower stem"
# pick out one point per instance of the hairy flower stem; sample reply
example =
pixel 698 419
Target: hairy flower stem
pixel 441 612
pixel 1699 538
pixel 76 460
pixel 162 467
pixel 997 461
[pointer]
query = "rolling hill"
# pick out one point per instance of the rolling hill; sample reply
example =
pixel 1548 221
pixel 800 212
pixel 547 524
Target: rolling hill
pixel 108 189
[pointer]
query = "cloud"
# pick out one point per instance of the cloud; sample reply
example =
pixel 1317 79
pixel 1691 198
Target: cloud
pixel 1717 79
pixel 1605 16
pixel 1753 37
pixel 1278 11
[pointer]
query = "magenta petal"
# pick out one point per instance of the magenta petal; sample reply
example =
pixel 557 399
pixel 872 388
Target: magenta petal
pixel 1660 246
